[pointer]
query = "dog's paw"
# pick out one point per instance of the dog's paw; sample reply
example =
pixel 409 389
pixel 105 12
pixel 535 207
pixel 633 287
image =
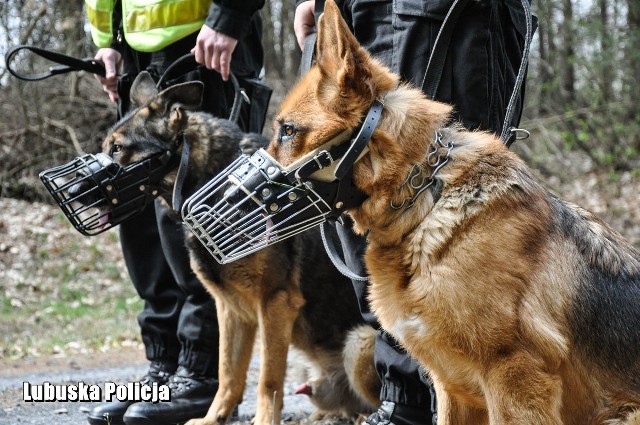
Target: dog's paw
pixel 318 415
pixel 205 421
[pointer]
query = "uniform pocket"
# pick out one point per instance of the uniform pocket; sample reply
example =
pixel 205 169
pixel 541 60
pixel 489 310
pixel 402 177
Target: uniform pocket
pixel 434 9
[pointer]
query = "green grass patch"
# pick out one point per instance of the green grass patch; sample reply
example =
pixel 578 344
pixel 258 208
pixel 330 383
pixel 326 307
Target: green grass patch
pixel 64 292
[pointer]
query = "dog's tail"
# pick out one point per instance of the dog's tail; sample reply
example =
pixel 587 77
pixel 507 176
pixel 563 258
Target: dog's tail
pixel 359 364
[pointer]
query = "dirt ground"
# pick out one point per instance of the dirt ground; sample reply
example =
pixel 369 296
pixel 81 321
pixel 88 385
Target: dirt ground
pixel 44 262
pixel 51 364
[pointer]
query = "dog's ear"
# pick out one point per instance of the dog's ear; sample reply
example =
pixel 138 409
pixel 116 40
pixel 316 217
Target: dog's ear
pixel 346 67
pixel 143 89
pixel 188 95
pixel 173 101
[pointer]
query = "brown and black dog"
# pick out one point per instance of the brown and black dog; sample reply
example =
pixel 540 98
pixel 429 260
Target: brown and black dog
pixel 525 308
pixel 290 293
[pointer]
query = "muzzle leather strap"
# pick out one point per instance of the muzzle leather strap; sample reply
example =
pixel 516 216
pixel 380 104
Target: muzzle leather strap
pixel 361 140
pixel 182 174
pixel 346 194
pixel 150 171
pixel 321 160
pixel 348 153
pixel 134 186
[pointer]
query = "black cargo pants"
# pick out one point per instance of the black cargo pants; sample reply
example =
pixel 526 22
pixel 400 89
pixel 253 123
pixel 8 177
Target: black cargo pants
pixel 179 321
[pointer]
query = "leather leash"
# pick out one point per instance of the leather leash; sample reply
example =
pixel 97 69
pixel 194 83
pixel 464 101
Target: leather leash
pixel 438 56
pixel 180 66
pixel 66 64
pixel 430 83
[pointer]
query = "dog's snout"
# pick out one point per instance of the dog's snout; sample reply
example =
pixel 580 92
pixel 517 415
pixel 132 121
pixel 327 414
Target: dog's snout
pixel 78 189
pixel 234 195
pixel 84 191
pixel 89 178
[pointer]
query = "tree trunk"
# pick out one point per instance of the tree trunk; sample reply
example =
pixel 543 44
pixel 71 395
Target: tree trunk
pixel 632 75
pixel 546 34
pixel 567 56
pixel 271 62
pixel 606 46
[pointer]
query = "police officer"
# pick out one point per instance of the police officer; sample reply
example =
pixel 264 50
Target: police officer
pixel 178 324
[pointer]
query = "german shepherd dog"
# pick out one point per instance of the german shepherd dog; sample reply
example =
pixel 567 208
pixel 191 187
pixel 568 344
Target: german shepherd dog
pixel 290 293
pixel 524 308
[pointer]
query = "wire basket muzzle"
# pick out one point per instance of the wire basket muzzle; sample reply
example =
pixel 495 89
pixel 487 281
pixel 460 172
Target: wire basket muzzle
pixel 251 205
pixel 96 194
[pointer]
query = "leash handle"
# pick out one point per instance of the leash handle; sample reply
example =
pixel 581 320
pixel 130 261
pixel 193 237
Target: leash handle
pixel 67 64
pixel 188 63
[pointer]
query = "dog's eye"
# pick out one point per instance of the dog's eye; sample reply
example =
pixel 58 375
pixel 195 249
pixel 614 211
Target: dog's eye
pixel 116 149
pixel 287 132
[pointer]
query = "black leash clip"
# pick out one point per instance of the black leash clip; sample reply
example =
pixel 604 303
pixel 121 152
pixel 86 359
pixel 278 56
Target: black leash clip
pixel 66 64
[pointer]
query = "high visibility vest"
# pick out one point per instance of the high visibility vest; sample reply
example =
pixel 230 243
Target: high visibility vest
pixel 149 25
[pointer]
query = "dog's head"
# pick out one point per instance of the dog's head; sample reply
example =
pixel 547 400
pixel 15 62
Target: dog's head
pixel 156 123
pixel 334 98
pixel 138 156
pixel 153 128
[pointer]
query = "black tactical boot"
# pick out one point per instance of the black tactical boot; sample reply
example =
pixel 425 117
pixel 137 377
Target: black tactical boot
pixel 191 396
pixel 113 412
pixel 390 413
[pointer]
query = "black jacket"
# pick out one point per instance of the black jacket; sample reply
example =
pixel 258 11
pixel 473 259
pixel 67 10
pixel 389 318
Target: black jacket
pixel 482 60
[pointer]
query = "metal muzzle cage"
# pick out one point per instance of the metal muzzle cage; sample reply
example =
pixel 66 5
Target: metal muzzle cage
pixel 95 193
pixel 255 202
pixel 252 204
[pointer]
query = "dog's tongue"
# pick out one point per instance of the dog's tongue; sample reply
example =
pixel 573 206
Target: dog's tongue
pixel 305 389
pixel 104 218
pixel 268 226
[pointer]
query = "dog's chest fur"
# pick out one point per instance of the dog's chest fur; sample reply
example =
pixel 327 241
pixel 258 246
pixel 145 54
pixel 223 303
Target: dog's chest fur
pixel 425 290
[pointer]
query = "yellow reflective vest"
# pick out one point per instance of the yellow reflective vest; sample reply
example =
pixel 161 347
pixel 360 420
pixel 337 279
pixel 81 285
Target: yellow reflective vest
pixel 148 25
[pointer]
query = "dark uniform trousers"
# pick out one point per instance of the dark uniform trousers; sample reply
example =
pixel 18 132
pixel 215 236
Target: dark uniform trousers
pixel 179 320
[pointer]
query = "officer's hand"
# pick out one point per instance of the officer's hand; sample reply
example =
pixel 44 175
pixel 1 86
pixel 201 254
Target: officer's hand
pixel 214 49
pixel 304 21
pixel 113 63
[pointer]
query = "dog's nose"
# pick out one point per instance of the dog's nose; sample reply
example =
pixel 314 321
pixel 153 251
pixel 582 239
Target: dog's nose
pixel 78 188
pixel 86 188
pixel 234 195
pixel 84 191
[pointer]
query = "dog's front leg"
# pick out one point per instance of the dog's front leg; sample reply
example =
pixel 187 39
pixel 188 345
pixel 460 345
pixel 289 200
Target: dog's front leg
pixel 236 346
pixel 520 390
pixel 277 315
pixel 452 412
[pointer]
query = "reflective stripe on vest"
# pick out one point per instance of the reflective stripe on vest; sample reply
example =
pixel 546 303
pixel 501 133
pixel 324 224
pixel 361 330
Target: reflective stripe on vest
pixel 150 25
pixel 99 13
